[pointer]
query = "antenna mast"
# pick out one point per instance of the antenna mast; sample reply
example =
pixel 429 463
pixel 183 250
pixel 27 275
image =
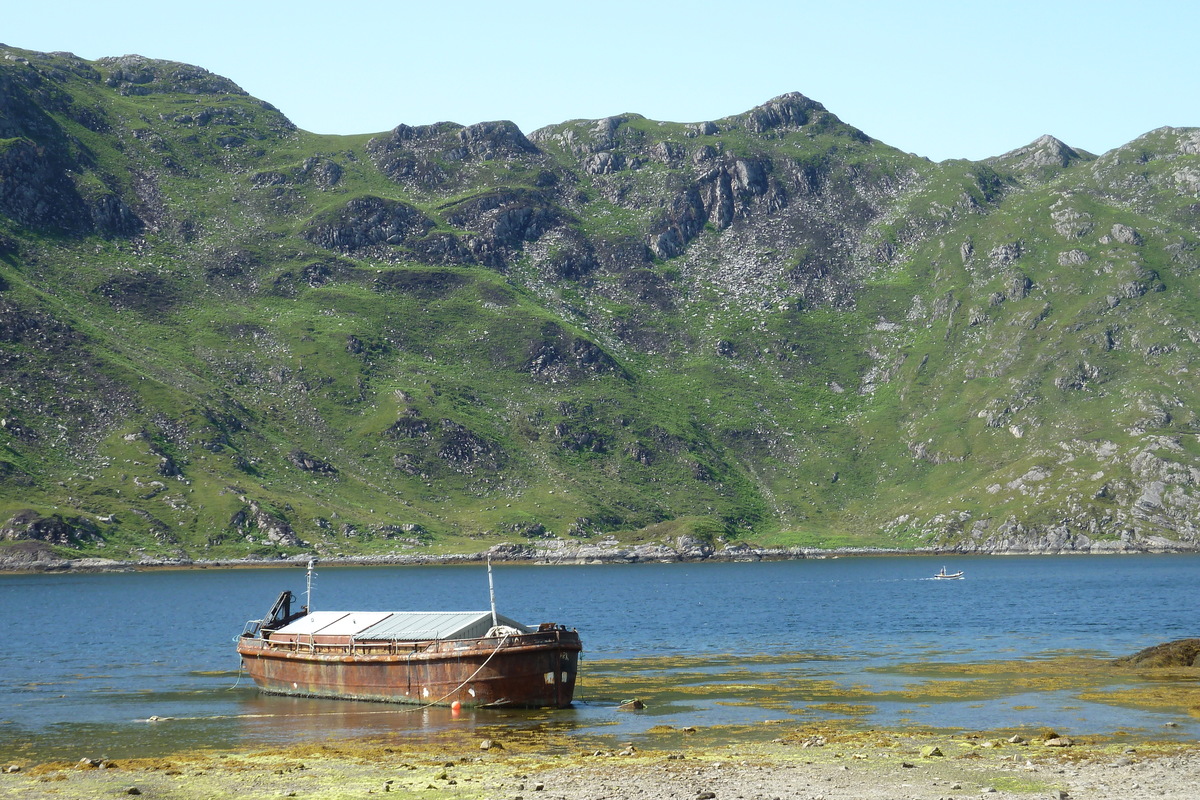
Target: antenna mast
pixel 492 590
pixel 308 587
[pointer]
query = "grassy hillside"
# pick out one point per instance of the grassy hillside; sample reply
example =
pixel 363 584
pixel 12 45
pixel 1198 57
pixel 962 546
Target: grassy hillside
pixel 223 336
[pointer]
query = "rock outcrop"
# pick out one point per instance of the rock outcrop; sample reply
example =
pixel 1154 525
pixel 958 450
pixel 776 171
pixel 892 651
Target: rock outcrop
pixel 1180 653
pixel 30 525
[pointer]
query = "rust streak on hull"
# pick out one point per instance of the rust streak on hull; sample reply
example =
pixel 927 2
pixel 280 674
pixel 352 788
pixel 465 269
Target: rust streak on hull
pixel 532 670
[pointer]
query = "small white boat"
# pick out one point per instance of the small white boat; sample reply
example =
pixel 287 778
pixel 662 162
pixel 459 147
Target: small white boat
pixel 948 576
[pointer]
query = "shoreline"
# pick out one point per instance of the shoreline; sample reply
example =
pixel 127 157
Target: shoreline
pixel 805 762
pixel 563 554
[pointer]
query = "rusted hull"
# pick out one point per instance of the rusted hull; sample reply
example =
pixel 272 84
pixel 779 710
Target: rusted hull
pixel 534 670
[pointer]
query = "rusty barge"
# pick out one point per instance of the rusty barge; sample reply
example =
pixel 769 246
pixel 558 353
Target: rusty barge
pixel 467 658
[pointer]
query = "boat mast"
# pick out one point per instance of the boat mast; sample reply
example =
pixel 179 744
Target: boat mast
pixel 308 586
pixel 492 590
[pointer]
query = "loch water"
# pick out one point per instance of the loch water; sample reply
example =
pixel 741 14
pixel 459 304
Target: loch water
pixel 88 661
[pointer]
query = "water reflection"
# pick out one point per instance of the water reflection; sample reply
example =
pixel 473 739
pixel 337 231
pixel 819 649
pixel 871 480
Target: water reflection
pixel 264 718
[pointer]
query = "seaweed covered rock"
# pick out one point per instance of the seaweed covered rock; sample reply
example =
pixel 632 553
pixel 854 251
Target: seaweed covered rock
pixel 1179 653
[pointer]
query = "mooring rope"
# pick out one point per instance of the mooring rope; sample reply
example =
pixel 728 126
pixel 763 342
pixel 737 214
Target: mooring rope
pixel 469 679
pixel 238 682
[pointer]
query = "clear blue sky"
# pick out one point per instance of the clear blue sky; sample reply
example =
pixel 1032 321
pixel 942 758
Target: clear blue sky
pixel 942 79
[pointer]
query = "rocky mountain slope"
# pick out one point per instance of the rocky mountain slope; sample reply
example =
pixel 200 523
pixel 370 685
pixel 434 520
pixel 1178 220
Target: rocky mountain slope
pixel 223 336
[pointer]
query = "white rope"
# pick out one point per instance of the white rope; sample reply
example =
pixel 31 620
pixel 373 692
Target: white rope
pixel 468 680
pixel 241 672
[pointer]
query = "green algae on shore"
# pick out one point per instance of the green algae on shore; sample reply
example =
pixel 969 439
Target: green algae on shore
pixel 798 686
pixel 872 764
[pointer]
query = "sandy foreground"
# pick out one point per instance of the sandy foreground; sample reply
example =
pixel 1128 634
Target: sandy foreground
pixel 799 766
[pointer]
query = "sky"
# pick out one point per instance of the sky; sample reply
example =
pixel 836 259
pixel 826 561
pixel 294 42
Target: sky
pixel 940 79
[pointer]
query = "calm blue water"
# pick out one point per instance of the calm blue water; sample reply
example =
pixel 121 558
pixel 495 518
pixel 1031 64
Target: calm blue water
pixel 87 659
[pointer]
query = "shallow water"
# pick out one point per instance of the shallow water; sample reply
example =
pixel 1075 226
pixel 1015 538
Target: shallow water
pixel 88 659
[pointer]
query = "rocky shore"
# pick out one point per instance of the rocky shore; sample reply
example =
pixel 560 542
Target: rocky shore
pixel 568 551
pixel 550 553
pixel 800 764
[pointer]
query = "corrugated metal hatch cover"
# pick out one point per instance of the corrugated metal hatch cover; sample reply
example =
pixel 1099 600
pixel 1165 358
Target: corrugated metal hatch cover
pixel 409 625
pixel 335 623
pixel 398 625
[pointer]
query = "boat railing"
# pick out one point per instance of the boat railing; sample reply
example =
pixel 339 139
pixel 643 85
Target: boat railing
pixel 252 627
pixel 295 643
pixel 416 640
pixel 308 642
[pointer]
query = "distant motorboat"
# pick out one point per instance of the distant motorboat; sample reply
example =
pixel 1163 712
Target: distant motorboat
pixel 948 576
